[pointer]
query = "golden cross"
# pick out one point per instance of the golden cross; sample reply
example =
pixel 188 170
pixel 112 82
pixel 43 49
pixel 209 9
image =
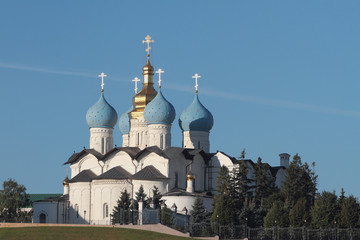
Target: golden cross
pixel 148 41
pixel 196 76
pixel 136 80
pixel 160 71
pixel 102 75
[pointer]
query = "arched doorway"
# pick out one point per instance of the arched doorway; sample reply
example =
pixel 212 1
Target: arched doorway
pixel 42 218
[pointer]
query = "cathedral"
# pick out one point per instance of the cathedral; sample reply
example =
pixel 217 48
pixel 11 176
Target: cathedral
pixel 146 158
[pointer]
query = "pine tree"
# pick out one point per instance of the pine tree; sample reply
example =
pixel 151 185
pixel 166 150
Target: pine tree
pixel 299 213
pixel 199 219
pixel 265 183
pixel 140 194
pixel 277 216
pixel 156 197
pixel 223 203
pixel 300 181
pixel 349 213
pixel 325 210
pixel 123 205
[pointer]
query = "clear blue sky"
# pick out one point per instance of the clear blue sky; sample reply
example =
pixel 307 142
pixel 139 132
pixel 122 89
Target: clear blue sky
pixel 278 76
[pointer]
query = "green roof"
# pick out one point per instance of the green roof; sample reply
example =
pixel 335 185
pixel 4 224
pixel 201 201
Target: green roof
pixel 38 197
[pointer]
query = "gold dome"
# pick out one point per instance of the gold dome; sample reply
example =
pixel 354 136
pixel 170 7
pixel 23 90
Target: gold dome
pixel 190 176
pixel 147 93
pixel 66 182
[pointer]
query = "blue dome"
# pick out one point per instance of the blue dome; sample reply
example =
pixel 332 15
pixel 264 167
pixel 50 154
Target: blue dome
pixel 196 117
pixel 124 122
pixel 159 111
pixel 101 115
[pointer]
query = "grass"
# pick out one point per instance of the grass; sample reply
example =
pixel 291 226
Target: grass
pixel 81 233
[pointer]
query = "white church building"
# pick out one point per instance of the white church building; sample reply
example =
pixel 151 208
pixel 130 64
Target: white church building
pixel 100 173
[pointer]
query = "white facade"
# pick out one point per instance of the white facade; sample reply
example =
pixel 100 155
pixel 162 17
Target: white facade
pixel 138 136
pixel 196 139
pixel 159 135
pixel 101 139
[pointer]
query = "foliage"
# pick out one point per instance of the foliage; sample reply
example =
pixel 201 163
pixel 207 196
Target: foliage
pixel 299 214
pixel 166 217
pixel 140 194
pixel 119 211
pixel 12 199
pixel 349 213
pixel 200 219
pixel 300 182
pixel 223 203
pixel 264 182
pixel 156 197
pixel 277 216
pixel 325 210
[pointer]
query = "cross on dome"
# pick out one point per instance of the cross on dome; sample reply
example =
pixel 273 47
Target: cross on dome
pixel 196 76
pixel 102 75
pixel 148 41
pixel 136 80
pixel 160 71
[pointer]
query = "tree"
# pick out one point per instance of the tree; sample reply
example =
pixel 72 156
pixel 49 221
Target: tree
pixel 300 181
pixel 12 199
pixel 325 210
pixel 120 212
pixel 265 183
pixel 200 219
pixel 299 213
pixel 349 213
pixel 240 186
pixel 277 216
pixel 166 217
pixel 223 213
pixel 140 195
pixel 156 197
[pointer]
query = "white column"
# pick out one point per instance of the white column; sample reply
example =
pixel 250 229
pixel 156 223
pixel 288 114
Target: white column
pixel 101 139
pixel 125 140
pixel 159 135
pixel 138 136
pixel 197 140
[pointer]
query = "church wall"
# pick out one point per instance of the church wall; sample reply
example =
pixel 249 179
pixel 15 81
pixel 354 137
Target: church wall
pixel 123 160
pixel 160 163
pixel 80 196
pixel 177 171
pixel 198 168
pixel 149 186
pixel 186 201
pixel 47 208
pixel 87 162
pixel 106 192
pixel 101 139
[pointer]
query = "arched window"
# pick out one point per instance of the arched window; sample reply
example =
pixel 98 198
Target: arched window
pixel 161 141
pixel 42 218
pixel 176 179
pixel 138 139
pixel 105 210
pixel 76 207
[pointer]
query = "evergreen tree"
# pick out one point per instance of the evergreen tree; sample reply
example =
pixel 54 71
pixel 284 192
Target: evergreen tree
pixel 325 210
pixel 350 212
pixel 223 203
pixel 300 181
pixel 166 217
pixel 199 219
pixel 299 213
pixel 12 199
pixel 240 186
pixel 277 216
pixel 140 194
pixel 265 183
pixel 121 211
pixel 156 197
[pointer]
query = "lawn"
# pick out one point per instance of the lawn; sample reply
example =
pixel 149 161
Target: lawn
pixel 81 233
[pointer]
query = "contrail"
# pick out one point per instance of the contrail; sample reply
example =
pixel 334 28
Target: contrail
pixel 68 73
pixel 269 102
pixel 225 95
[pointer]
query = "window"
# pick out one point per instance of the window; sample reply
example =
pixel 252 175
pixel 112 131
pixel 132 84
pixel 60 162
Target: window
pixel 161 141
pixel 198 144
pixel 76 207
pixel 106 210
pixel 102 146
pixel 176 179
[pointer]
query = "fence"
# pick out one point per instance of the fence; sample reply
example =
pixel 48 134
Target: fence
pixel 276 233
